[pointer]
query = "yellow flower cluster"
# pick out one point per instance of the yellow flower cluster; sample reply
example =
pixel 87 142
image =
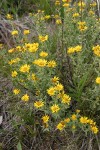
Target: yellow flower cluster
pixel 31 47
pixel 55 108
pixel 77 48
pixel 91 123
pixel 81 4
pixel 76 119
pixel 96 50
pixel 40 62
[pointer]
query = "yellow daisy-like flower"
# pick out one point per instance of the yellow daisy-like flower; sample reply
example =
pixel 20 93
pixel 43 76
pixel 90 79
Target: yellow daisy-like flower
pixel 82 26
pixel 25 98
pixel 74 117
pixel 96 50
pixel 34 77
pixel 25 68
pixel 81 4
pixel 57 3
pixel 59 87
pixel 16 91
pixel 25 32
pixel 45 118
pixel 9 16
pixel 40 62
pixel 75 15
pixel 66 5
pixel 98 80
pixel 14 32
pixel 67 120
pixel 43 38
pixel 51 91
pixel 55 79
pixel 61 126
pixel 14 73
pixel 55 108
pixel 51 64
pixel 94 129
pixel 11 50
pixel 43 54
pixel 84 120
pixel 66 99
pixel 58 21
pixel 38 104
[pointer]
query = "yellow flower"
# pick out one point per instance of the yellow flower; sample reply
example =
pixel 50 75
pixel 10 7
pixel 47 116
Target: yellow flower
pixel 47 17
pixel 14 32
pixel 43 38
pixel 66 99
pixel 84 120
pixel 61 126
pixel 14 73
pixel 51 64
pixel 75 15
pixel 82 26
pixel 59 87
pixel 9 16
pixel 12 61
pixel 45 118
pixel 40 62
pixel 78 48
pixel 93 4
pixel 25 68
pixel 91 12
pixel 70 50
pixel 66 1
pixel 1 45
pixel 31 47
pixel 58 21
pixel 67 120
pixel 66 5
pixel 57 3
pixel 16 91
pixel 34 77
pixel 38 104
pixel 25 98
pixel 81 4
pixel 96 50
pixel 94 129
pixel 55 79
pixel 43 54
pixel 11 50
pixel 51 91
pixel 77 111
pixel 55 108
pixel 98 80
pixel 73 127
pixel 74 117
pixel 26 32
